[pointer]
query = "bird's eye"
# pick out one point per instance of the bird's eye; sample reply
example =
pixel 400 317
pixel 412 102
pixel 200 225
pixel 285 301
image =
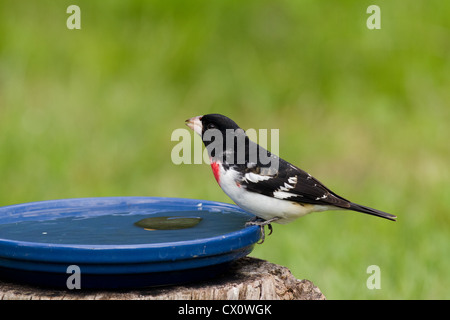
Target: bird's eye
pixel 210 126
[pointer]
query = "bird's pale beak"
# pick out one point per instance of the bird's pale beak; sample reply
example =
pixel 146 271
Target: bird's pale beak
pixel 195 124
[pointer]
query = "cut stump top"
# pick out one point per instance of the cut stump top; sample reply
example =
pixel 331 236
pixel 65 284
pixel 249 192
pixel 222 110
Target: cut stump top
pixel 247 279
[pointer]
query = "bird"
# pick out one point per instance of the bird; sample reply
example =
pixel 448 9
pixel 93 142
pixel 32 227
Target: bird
pixel 261 183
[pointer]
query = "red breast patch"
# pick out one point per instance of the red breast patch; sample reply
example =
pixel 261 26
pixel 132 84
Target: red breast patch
pixel 215 168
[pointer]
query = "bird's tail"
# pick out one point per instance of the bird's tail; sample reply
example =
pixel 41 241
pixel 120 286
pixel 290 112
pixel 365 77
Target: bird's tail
pixel 374 212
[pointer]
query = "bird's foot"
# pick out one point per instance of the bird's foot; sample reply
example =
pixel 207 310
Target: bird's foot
pixel 262 223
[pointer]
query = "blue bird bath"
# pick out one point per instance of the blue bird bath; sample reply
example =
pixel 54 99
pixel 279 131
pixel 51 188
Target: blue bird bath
pixel 40 240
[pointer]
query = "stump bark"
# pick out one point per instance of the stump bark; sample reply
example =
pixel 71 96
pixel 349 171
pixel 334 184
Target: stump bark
pixel 247 279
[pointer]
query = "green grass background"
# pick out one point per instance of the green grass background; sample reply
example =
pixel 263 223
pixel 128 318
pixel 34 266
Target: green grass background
pixel 90 112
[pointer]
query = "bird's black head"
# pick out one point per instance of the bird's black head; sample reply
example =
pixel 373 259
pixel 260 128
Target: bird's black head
pixel 219 122
pixel 221 130
pixel 211 121
pixel 228 143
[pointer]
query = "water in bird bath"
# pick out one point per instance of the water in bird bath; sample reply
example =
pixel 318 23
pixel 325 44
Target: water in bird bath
pixel 126 228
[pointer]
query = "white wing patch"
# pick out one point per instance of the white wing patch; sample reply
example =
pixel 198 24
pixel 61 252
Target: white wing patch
pixel 255 178
pixel 286 187
pixel 283 195
pixel 293 180
pixel 283 191
pixel 322 197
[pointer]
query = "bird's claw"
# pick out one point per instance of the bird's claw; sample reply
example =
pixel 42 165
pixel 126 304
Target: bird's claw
pixel 261 224
pixel 269 226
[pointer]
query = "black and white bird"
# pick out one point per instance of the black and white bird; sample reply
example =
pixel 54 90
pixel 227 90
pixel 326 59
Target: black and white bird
pixel 260 182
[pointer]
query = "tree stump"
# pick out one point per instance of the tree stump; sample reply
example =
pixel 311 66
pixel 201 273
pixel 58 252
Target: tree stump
pixel 247 279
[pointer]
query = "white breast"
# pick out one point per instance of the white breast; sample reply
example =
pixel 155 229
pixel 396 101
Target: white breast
pixel 260 205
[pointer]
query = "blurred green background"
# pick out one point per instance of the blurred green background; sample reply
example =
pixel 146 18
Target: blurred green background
pixel 90 112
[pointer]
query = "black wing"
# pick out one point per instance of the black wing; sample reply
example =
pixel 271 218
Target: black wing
pixel 290 183
pixel 287 182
